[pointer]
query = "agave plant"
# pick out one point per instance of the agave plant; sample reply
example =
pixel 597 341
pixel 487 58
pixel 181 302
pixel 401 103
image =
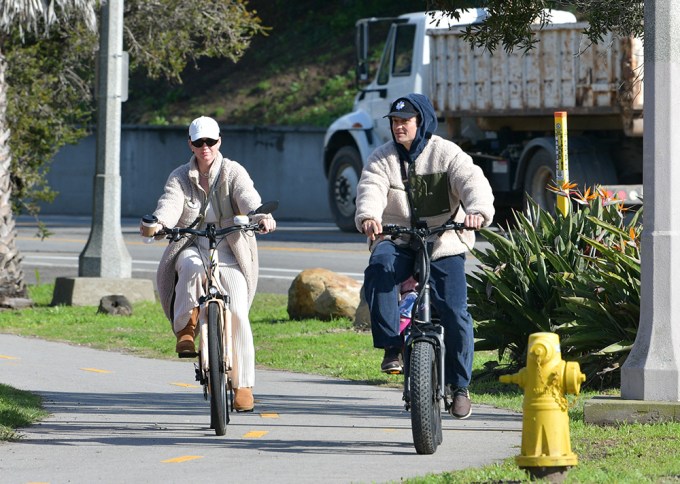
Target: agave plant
pixel 549 273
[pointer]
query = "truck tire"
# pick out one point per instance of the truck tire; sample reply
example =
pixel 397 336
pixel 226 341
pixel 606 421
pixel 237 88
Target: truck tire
pixel 343 178
pixel 539 174
pixel 590 164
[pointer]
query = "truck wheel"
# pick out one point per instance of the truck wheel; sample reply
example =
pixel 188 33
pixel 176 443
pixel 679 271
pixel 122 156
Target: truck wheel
pixel 540 173
pixel 343 178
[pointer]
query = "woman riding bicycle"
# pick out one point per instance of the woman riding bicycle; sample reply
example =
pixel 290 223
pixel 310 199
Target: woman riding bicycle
pixel 420 177
pixel 211 189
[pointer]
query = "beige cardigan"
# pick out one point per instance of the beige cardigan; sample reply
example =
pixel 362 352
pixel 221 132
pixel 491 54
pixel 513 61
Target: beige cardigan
pixel 180 205
pixel 381 194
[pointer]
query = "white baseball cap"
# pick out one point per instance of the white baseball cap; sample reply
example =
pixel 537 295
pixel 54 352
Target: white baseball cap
pixel 204 127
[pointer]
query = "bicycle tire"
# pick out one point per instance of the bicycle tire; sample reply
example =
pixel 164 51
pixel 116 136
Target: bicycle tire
pixel 219 416
pixel 426 419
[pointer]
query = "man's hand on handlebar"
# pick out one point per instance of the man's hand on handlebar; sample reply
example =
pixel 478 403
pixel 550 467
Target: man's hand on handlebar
pixel 473 221
pixel 371 228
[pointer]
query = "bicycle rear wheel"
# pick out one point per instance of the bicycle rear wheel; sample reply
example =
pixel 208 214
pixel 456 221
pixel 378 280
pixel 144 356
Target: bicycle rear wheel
pixel 219 416
pixel 426 419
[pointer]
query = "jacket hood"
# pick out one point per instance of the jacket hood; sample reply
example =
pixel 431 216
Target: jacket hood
pixel 427 127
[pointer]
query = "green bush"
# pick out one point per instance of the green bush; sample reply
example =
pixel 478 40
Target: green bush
pixel 577 275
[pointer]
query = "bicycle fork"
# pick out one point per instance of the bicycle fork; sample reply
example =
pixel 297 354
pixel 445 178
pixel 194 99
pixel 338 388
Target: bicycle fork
pixel 203 367
pixel 432 334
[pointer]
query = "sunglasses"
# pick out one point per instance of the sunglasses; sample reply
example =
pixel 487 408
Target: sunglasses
pixel 199 142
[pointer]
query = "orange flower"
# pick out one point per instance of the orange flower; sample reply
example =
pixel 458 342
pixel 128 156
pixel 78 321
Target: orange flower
pixel 563 189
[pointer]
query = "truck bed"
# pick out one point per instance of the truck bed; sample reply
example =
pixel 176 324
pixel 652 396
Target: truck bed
pixel 563 72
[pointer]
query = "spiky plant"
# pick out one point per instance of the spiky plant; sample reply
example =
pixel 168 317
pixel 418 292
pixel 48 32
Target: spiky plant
pixel 548 273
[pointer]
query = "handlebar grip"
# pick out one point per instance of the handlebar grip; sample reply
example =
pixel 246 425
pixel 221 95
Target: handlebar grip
pixel 241 220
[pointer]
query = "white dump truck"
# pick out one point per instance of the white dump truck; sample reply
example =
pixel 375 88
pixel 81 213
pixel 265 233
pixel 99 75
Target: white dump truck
pixel 499 106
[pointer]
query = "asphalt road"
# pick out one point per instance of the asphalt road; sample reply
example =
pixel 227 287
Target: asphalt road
pixel 117 418
pixel 293 247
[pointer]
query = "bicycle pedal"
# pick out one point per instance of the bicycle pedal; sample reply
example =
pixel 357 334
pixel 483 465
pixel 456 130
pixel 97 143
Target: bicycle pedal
pixel 187 355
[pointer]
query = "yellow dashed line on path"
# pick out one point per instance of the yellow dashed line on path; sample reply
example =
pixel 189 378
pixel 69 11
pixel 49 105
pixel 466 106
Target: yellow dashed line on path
pixel 4 357
pixel 184 458
pixel 269 415
pixel 95 370
pixel 185 385
pixel 255 434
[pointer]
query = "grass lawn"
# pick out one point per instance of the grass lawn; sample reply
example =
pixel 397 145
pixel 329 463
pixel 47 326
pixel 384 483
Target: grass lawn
pixel 627 453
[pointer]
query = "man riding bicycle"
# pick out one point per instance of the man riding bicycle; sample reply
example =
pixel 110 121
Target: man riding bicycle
pixel 420 177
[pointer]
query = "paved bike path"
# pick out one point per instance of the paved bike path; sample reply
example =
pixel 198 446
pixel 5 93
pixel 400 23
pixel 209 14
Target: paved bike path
pixel 117 418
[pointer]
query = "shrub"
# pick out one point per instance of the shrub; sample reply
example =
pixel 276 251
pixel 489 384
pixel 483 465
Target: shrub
pixel 577 275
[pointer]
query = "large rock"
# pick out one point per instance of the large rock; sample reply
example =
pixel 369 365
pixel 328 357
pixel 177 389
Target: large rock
pixel 115 305
pixel 362 318
pixel 323 294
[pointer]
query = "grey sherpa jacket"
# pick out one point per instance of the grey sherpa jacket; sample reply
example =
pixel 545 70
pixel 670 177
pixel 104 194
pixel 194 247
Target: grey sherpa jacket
pixel 180 205
pixel 381 194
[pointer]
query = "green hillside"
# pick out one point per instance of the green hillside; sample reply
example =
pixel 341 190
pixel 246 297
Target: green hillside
pixel 302 73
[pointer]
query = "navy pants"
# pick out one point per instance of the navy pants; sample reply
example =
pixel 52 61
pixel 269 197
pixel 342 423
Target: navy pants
pixel 390 265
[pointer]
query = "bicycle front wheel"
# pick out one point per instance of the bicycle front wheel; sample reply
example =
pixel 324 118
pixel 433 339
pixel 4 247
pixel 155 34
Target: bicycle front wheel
pixel 426 419
pixel 219 416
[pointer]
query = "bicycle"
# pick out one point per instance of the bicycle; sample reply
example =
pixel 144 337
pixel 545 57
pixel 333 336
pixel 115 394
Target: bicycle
pixel 215 345
pixel 424 349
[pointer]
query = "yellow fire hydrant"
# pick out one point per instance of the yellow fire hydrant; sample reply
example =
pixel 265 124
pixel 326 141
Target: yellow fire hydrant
pixel 545 423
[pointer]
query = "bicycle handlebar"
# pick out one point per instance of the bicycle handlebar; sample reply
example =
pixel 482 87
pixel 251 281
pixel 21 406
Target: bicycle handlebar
pixel 396 230
pixel 210 231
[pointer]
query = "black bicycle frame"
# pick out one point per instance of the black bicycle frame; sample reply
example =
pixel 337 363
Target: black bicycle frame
pixel 422 327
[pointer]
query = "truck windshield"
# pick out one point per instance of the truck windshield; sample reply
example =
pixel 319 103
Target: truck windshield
pixel 398 53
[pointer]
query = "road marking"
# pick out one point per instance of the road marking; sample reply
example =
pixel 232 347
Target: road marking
pixel 96 370
pixel 32 259
pixel 33 256
pixel 269 415
pixel 183 458
pixel 255 434
pixel 294 271
pixel 51 257
pixel 5 357
pixel 309 249
pixel 186 385
pixel 51 239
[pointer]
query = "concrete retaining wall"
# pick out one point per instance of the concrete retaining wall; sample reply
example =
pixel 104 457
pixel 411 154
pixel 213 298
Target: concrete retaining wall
pixel 284 162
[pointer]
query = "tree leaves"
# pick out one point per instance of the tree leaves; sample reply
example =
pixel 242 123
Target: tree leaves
pixel 509 24
pixel 50 79
pixel 163 36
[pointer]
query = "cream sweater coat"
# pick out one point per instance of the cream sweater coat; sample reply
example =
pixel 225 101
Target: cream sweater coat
pixel 381 194
pixel 181 204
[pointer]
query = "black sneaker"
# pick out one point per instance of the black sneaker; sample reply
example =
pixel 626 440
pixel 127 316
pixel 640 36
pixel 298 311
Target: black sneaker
pixel 391 362
pixel 461 407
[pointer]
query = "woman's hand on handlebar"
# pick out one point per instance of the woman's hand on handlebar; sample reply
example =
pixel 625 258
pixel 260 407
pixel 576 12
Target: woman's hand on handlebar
pixel 473 221
pixel 371 228
pixel 147 231
pixel 267 225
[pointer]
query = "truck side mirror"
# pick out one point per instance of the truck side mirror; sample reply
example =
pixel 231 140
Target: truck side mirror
pixel 362 74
